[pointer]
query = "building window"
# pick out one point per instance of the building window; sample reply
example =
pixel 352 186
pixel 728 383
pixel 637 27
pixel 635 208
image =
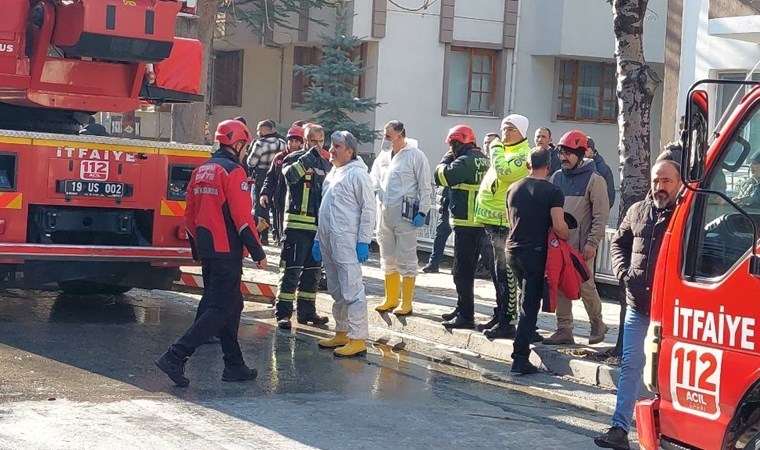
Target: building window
pixel 472 81
pixel 228 79
pixel 307 56
pixel 586 91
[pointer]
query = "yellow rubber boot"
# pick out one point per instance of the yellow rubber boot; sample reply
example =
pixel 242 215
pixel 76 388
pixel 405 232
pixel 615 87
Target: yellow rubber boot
pixel 392 287
pixel 354 347
pixel 407 293
pixel 340 339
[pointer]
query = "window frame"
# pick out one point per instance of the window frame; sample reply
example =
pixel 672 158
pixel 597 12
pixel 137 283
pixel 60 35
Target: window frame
pixel 696 219
pixel 601 99
pixel 14 185
pixel 169 179
pixel 237 100
pixel 496 95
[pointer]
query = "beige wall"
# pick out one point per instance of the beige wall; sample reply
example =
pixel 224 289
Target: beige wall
pixel 730 8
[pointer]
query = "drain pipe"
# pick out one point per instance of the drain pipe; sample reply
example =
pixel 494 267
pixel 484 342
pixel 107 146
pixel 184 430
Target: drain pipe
pixel 513 69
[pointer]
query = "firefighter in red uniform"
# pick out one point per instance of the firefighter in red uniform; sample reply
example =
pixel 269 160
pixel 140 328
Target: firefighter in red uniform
pixel 220 225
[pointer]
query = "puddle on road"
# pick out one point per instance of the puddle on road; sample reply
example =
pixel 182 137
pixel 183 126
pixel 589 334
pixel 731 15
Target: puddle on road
pixel 55 307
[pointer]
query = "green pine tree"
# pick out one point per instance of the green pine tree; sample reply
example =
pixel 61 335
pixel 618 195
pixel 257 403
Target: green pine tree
pixel 331 97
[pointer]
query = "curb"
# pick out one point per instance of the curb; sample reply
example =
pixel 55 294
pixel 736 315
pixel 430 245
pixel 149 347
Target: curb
pixel 554 361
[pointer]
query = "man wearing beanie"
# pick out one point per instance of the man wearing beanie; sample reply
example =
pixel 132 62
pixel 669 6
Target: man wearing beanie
pixel 586 199
pixel 508 164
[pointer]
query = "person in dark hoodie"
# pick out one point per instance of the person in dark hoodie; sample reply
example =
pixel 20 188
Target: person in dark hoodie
pixel 586 199
pixel 603 169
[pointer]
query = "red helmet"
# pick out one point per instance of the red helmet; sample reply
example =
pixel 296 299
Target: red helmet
pixel 230 131
pixel 295 132
pixel 573 140
pixel 461 133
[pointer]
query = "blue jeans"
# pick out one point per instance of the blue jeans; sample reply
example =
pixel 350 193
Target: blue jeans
pixel 634 359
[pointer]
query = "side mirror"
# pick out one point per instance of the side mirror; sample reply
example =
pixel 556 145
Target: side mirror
pixel 697 133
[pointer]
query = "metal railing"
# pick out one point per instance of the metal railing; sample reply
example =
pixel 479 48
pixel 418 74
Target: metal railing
pixel 603 264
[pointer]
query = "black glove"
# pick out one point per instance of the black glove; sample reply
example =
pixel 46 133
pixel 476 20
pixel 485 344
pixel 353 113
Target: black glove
pixel 310 159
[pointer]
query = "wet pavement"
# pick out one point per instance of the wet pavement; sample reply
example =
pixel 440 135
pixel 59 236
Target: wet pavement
pixel 78 373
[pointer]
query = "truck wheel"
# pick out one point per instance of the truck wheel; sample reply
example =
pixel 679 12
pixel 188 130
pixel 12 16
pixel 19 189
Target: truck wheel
pixel 754 442
pixel 114 289
pixel 80 287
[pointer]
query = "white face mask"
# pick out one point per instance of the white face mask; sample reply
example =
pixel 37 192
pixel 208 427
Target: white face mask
pixel 386 145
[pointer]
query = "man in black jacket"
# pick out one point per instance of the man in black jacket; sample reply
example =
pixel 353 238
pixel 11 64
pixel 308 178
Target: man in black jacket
pixel 634 251
pixel 603 169
pixel 304 172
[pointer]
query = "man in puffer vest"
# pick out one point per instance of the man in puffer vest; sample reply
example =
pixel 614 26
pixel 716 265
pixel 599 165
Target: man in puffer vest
pixel 508 165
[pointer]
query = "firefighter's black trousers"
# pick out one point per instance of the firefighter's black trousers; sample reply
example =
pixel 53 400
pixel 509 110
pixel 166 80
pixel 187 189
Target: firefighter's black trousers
pixel 218 312
pixel 299 275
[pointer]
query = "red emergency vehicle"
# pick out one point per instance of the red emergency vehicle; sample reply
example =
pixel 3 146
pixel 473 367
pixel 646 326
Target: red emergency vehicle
pixel 92 213
pixel 703 347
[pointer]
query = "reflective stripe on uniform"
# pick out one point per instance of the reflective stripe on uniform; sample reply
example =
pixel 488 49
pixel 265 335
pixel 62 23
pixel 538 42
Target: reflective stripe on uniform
pixel 300 226
pixel 307 295
pixel 306 193
pixel 300 218
pixel 286 296
pixel 472 192
pixel 439 173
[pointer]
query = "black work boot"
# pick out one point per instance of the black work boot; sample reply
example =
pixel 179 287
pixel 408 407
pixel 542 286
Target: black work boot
pixel 501 331
pixel 238 372
pixel 524 367
pixel 430 268
pixel 492 321
pixel 307 313
pixel 615 437
pixel 315 319
pixel 460 322
pixel 173 366
pixel 450 315
pixel 283 313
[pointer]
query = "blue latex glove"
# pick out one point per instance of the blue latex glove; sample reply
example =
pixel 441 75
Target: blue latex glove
pixel 316 253
pixel 419 220
pixel 362 252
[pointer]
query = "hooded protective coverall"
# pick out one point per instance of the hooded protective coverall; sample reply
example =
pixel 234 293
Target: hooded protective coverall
pixel 346 217
pixel 407 174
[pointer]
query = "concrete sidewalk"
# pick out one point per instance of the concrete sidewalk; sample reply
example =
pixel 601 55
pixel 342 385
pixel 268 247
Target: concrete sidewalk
pixel 435 294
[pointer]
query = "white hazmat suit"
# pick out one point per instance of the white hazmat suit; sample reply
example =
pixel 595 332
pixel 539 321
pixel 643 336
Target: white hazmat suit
pixel 346 217
pixel 407 174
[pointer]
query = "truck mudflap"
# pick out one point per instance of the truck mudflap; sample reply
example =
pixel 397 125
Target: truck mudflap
pixel 25 252
pixel 647 425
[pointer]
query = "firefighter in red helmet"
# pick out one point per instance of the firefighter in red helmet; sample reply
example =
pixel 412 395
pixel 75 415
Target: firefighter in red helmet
pixel 462 169
pixel 220 228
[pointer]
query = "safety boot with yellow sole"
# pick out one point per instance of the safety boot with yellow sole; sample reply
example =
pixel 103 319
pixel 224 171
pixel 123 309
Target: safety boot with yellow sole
pixel 355 347
pixel 392 287
pixel 340 339
pixel 407 294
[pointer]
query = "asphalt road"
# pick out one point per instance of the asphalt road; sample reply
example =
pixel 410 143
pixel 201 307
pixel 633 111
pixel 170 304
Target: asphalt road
pixel 78 373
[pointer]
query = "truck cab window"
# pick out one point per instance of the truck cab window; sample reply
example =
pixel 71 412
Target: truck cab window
pixel 720 235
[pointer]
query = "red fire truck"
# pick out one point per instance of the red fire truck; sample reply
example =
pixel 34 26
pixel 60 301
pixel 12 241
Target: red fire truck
pixel 91 213
pixel 703 346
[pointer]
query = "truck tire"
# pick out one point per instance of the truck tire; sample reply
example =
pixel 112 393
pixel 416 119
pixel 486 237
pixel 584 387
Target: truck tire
pixel 80 287
pixel 114 289
pixel 754 442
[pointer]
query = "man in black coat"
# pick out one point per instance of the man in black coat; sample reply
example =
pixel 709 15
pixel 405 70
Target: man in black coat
pixel 603 169
pixel 634 251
